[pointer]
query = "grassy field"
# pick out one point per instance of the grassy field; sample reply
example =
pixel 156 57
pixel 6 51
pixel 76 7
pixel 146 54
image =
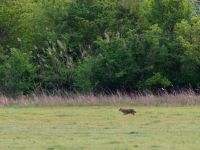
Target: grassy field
pixel 99 128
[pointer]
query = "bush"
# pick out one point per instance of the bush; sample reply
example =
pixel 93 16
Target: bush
pixel 114 68
pixel 16 73
pixel 157 81
pixel 83 74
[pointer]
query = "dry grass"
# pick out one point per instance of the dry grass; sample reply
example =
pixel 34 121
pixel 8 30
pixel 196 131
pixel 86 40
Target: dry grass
pixel 147 99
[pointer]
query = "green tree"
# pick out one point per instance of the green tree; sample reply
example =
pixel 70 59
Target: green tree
pixel 189 38
pixel 166 13
pixel 114 68
pixel 16 73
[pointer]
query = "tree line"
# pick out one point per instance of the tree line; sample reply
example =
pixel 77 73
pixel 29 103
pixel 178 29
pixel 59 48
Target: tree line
pixel 98 45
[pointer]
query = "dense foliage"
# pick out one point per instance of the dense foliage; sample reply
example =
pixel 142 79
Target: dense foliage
pixel 98 45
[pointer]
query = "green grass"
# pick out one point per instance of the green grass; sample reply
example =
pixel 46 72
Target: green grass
pixel 99 128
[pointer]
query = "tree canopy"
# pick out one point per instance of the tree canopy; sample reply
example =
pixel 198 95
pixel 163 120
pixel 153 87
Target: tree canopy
pixel 98 45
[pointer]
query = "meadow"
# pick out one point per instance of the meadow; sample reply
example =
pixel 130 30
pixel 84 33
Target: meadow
pixel 52 50
pixel 99 127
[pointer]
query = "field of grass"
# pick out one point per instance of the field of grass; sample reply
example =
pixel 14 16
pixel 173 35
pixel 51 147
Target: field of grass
pixel 99 128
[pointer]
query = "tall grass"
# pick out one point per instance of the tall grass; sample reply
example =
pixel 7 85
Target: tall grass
pixel 147 99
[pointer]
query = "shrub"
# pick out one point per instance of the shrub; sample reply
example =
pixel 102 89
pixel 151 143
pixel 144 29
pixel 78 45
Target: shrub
pixel 16 73
pixel 83 74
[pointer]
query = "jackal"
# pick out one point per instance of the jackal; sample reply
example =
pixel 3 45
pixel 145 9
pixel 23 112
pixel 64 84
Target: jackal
pixel 127 111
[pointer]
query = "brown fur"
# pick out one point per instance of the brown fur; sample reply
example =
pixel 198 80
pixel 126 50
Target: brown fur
pixel 127 111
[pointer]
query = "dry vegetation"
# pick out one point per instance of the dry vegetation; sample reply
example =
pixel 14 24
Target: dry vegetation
pixel 145 99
